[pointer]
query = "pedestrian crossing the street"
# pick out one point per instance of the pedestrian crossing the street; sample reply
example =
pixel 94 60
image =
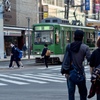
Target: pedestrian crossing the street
pixel 39 78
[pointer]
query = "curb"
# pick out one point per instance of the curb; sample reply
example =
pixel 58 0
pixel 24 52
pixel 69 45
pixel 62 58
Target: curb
pixel 4 60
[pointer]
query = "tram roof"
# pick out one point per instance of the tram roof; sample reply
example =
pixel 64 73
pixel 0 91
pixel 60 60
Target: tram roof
pixel 74 26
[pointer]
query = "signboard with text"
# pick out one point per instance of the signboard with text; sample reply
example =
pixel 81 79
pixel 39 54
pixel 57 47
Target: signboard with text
pixel 45 11
pixel 87 4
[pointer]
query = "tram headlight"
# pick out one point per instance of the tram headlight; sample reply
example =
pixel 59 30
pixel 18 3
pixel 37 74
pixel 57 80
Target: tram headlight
pixel 38 52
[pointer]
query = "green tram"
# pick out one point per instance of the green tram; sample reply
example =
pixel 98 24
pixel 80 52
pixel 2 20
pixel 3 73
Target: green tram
pixel 57 36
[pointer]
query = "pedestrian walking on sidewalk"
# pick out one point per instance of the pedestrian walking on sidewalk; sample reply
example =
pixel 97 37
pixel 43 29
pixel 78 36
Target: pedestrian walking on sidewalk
pixel 46 58
pixel 24 50
pixel 77 51
pixel 13 56
pixel 94 63
pixel 17 58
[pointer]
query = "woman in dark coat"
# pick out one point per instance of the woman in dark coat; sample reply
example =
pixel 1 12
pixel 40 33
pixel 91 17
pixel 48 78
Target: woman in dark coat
pixel 94 62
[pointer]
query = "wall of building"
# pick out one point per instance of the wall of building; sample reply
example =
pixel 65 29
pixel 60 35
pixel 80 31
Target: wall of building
pixel 9 18
pixel 23 9
pixel 55 8
pixel 20 10
pixel 26 8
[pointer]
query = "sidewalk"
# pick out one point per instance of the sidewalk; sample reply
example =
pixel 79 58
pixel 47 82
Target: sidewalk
pixel 8 59
pixel 23 58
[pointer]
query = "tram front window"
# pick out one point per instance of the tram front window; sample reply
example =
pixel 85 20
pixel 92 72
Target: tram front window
pixel 42 37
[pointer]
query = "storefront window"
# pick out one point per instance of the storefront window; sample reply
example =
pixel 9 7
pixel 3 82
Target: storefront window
pixel 9 40
pixel 49 1
pixel 52 2
pixel 60 3
pixel 67 37
pixel 57 37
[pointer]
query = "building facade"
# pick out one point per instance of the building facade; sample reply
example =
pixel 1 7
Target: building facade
pixel 16 21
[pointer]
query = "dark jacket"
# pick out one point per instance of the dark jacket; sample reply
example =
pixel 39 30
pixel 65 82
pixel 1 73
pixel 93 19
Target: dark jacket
pixel 78 52
pixel 95 58
pixel 44 51
pixel 13 50
pixel 94 62
pixel 24 48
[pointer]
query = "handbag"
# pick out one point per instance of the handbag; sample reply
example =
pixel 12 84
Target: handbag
pixel 95 74
pixel 76 76
pixel 66 65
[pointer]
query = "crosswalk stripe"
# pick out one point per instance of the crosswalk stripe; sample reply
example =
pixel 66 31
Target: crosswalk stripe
pixel 41 78
pixel 28 80
pixel 55 67
pixel 12 81
pixel 55 75
pixel 1 84
pixel 46 79
pixel 50 77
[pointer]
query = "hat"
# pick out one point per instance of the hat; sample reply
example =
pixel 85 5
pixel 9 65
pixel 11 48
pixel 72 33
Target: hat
pixel 78 35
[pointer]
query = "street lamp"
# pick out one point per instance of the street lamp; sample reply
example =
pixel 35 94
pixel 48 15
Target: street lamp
pixel 1 31
pixel 28 18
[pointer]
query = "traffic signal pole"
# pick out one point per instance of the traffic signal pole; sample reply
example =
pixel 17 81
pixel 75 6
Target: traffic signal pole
pixel 28 37
pixel 1 31
pixel 67 9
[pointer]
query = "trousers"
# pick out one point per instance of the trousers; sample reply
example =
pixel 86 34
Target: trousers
pixel 46 58
pixel 11 61
pixel 81 89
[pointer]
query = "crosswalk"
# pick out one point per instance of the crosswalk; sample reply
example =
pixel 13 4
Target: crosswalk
pixel 40 78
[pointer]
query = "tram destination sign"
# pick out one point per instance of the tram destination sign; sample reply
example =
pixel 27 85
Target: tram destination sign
pixel 40 28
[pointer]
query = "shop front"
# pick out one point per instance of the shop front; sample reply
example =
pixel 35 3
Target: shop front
pixel 92 22
pixel 13 36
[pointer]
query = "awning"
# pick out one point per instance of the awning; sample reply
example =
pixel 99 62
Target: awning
pixel 12 33
pixel 92 22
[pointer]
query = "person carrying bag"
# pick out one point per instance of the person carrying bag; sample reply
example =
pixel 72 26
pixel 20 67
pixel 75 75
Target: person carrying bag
pixel 95 72
pixel 73 68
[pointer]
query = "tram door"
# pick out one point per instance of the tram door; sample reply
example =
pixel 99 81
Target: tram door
pixel 63 41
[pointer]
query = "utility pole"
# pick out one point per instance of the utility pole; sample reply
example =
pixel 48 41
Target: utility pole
pixel 66 9
pixel 28 37
pixel 1 31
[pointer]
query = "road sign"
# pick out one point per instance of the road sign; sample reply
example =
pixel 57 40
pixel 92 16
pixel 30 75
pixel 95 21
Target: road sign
pixel 87 4
pixel 45 15
pixel 98 33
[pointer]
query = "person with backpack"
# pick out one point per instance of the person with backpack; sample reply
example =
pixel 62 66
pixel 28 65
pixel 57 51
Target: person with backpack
pixel 45 55
pixel 95 71
pixel 18 56
pixel 13 56
pixel 77 51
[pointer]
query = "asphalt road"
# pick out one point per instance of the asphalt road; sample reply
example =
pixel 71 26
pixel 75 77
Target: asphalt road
pixel 26 62
pixel 35 83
